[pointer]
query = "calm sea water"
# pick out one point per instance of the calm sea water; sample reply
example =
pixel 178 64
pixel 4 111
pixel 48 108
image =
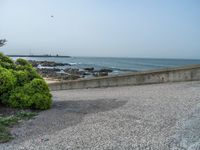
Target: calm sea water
pixel 120 64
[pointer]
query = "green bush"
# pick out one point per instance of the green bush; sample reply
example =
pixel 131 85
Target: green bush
pixel 41 96
pixel 41 101
pixel 22 62
pixel 19 98
pixel 6 62
pixel 21 77
pixel 7 83
pixel 21 86
pixel 32 73
pixel 34 95
pixel 23 65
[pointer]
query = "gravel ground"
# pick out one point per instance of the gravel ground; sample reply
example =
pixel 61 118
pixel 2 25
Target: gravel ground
pixel 147 117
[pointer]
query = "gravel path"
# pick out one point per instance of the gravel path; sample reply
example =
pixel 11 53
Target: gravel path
pixel 147 117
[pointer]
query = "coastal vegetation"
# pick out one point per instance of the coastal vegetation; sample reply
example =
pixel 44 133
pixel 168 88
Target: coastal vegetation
pixel 21 89
pixel 21 86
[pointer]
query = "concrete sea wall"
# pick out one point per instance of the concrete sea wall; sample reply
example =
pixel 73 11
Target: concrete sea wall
pixel 187 73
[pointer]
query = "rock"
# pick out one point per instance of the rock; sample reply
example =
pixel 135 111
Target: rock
pixel 47 63
pixel 72 70
pixel 105 70
pixel 33 63
pixel 89 69
pixel 74 77
pixel 44 140
pixel 84 73
pixel 68 73
pixel 100 74
pixel 47 72
pixel 56 73
pixel 103 74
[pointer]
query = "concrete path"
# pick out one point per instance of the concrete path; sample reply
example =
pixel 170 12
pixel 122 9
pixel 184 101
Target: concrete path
pixel 147 117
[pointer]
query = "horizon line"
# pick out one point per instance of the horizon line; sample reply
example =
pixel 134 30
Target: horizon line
pixel 57 55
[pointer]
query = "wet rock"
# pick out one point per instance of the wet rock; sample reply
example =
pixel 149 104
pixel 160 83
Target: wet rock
pixel 72 70
pixel 48 69
pixel 89 69
pixel 100 74
pixel 73 77
pixel 55 73
pixel 84 73
pixel 103 74
pixel 106 70
pixel 47 72
pixel 47 63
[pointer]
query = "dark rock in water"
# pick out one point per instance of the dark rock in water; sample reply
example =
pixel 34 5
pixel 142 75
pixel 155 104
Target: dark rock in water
pixel 84 73
pixel 47 63
pixel 89 69
pixel 57 74
pixel 100 74
pixel 68 73
pixel 33 63
pixel 103 74
pixel 105 70
pixel 72 70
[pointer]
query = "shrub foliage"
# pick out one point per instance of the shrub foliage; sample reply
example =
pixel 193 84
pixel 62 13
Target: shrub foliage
pixel 21 86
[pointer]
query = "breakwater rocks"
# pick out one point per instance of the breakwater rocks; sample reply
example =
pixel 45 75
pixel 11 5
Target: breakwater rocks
pixel 47 63
pixel 65 71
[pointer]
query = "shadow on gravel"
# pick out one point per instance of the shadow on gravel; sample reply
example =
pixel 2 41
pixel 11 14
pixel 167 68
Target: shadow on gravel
pixel 63 114
pixel 88 106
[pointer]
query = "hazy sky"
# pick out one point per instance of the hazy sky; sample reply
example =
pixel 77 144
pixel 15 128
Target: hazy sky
pixel 118 28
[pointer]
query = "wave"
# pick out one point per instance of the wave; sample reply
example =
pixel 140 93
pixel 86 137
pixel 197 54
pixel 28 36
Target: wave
pixel 74 63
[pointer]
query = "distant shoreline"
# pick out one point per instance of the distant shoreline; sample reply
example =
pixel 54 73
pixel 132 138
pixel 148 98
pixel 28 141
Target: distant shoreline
pixel 38 56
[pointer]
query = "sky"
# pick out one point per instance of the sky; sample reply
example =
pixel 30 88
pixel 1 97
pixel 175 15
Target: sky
pixel 102 28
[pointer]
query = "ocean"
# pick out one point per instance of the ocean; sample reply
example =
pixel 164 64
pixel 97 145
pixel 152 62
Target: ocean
pixel 119 65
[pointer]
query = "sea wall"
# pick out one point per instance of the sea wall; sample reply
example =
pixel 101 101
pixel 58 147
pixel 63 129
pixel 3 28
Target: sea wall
pixel 187 73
